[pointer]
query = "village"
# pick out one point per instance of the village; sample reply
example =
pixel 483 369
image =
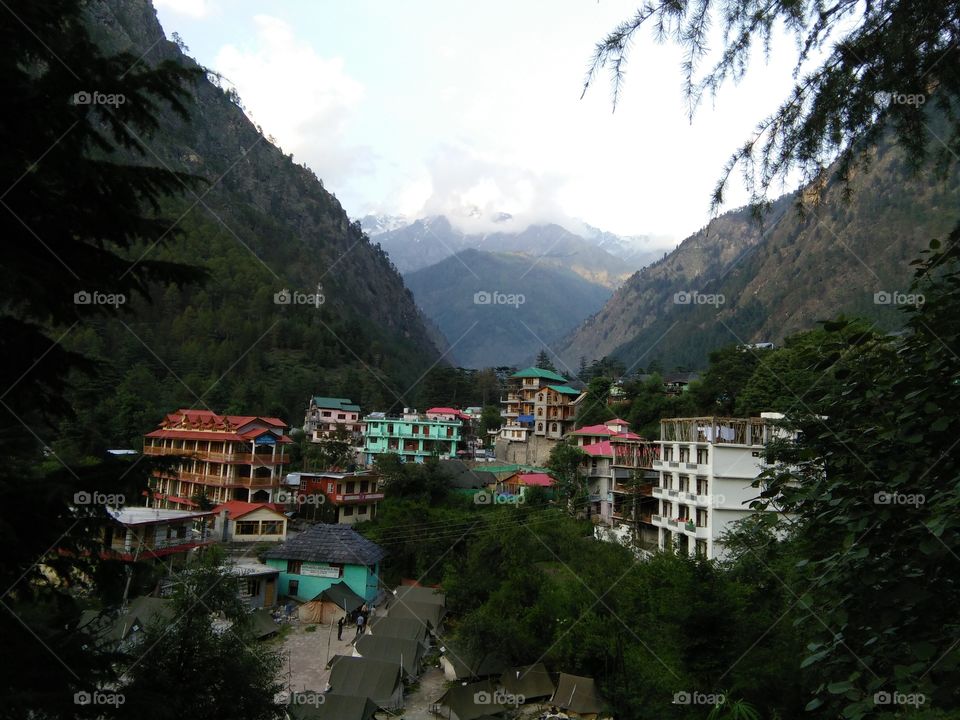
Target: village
pixel 355 648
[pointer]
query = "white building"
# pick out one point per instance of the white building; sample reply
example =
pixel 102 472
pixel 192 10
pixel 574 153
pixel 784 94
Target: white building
pixel 706 468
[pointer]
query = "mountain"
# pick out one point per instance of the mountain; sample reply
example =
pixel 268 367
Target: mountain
pixel 500 309
pixel 374 225
pixel 429 240
pixel 269 234
pixel 840 256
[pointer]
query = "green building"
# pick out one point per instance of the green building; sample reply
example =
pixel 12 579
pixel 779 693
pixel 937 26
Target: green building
pixel 412 436
pixel 323 556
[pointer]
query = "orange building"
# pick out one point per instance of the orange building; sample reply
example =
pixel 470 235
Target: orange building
pixel 229 457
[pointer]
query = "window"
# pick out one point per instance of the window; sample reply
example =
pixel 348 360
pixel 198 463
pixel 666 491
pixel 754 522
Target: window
pixel 294 587
pixel 182 531
pixel 294 567
pixel 539 427
pixel 326 413
pixel 250 588
pixel 246 527
pixel 701 548
pixel 364 486
pixel 350 486
pixel 553 427
pixel 348 511
pixel 341 416
pixel 270 528
pixel 362 510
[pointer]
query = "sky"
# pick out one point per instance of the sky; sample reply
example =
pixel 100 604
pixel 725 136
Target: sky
pixel 436 106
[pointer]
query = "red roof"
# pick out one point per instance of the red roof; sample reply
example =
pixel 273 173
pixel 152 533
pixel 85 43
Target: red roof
pixel 593 430
pixel 628 436
pixel 238 508
pixel 600 449
pixel 214 426
pixel 618 421
pixel 448 411
pixel 539 479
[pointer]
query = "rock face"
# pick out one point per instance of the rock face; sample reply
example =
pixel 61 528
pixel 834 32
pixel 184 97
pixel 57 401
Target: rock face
pixel 778 277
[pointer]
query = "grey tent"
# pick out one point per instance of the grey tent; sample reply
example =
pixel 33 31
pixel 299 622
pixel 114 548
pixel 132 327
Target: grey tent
pixel 262 624
pixel 405 651
pixel 460 665
pixel 375 679
pixel 531 681
pixel 462 477
pixel 139 613
pixel 330 706
pixel 474 701
pixel 398 627
pixel 577 694
pixel 410 593
pixel 427 613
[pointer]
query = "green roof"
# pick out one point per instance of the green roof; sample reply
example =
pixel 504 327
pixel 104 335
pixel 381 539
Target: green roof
pixel 535 372
pixel 336 403
pixel 565 389
pixel 508 468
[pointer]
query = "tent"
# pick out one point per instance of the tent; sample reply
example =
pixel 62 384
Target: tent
pixel 407 652
pixel 375 679
pixel 262 624
pixel 459 665
pixel 578 695
pixel 474 701
pixel 330 706
pixel 140 613
pixel 330 604
pixel 427 613
pixel 531 681
pixel 382 625
pixel 415 594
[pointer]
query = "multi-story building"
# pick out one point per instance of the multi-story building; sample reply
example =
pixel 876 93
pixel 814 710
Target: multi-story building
pixel 354 496
pixel 225 457
pixel 327 417
pixel 538 410
pixel 706 469
pixel 619 474
pixel 137 534
pixel 412 436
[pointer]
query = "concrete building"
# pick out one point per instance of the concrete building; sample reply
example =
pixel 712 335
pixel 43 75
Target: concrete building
pixel 137 534
pixel 329 416
pixel 354 496
pixel 412 436
pixel 239 521
pixel 706 468
pixel 227 457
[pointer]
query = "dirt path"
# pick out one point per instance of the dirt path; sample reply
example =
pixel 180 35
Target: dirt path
pixel 417 703
pixel 307 653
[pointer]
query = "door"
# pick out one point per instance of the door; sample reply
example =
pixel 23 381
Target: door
pixel 269 594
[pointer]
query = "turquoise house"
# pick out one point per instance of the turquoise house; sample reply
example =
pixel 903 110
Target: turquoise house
pixel 412 436
pixel 323 556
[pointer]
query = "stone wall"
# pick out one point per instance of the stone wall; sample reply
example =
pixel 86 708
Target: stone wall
pixel 536 451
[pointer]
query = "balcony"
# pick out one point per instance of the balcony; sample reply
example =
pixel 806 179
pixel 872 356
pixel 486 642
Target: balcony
pixel 355 498
pixel 659 492
pixel 658 520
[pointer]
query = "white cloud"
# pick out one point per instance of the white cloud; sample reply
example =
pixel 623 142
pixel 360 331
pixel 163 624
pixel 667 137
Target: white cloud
pixel 299 98
pixel 197 9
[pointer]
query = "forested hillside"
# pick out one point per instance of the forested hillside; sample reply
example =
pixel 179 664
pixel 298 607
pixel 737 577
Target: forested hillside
pixel 258 225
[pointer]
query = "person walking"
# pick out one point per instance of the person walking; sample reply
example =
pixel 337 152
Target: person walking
pixel 360 623
pixel 340 628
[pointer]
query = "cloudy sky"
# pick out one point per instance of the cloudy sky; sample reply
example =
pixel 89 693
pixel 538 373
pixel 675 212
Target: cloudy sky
pixel 431 106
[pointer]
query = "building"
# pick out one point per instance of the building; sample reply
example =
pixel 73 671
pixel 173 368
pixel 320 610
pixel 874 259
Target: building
pixel 677 383
pixel 328 417
pixel 519 483
pixel 324 555
pixel 412 436
pixel 538 410
pixel 239 521
pixel 136 534
pixel 705 472
pixel 619 474
pixel 227 457
pixel 353 496
pixel 257 583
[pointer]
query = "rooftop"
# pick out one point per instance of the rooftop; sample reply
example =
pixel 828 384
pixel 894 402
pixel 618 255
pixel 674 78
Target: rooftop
pixel 148 516
pixel 535 372
pixel 564 389
pixel 332 403
pixel 329 543
pixel 238 508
